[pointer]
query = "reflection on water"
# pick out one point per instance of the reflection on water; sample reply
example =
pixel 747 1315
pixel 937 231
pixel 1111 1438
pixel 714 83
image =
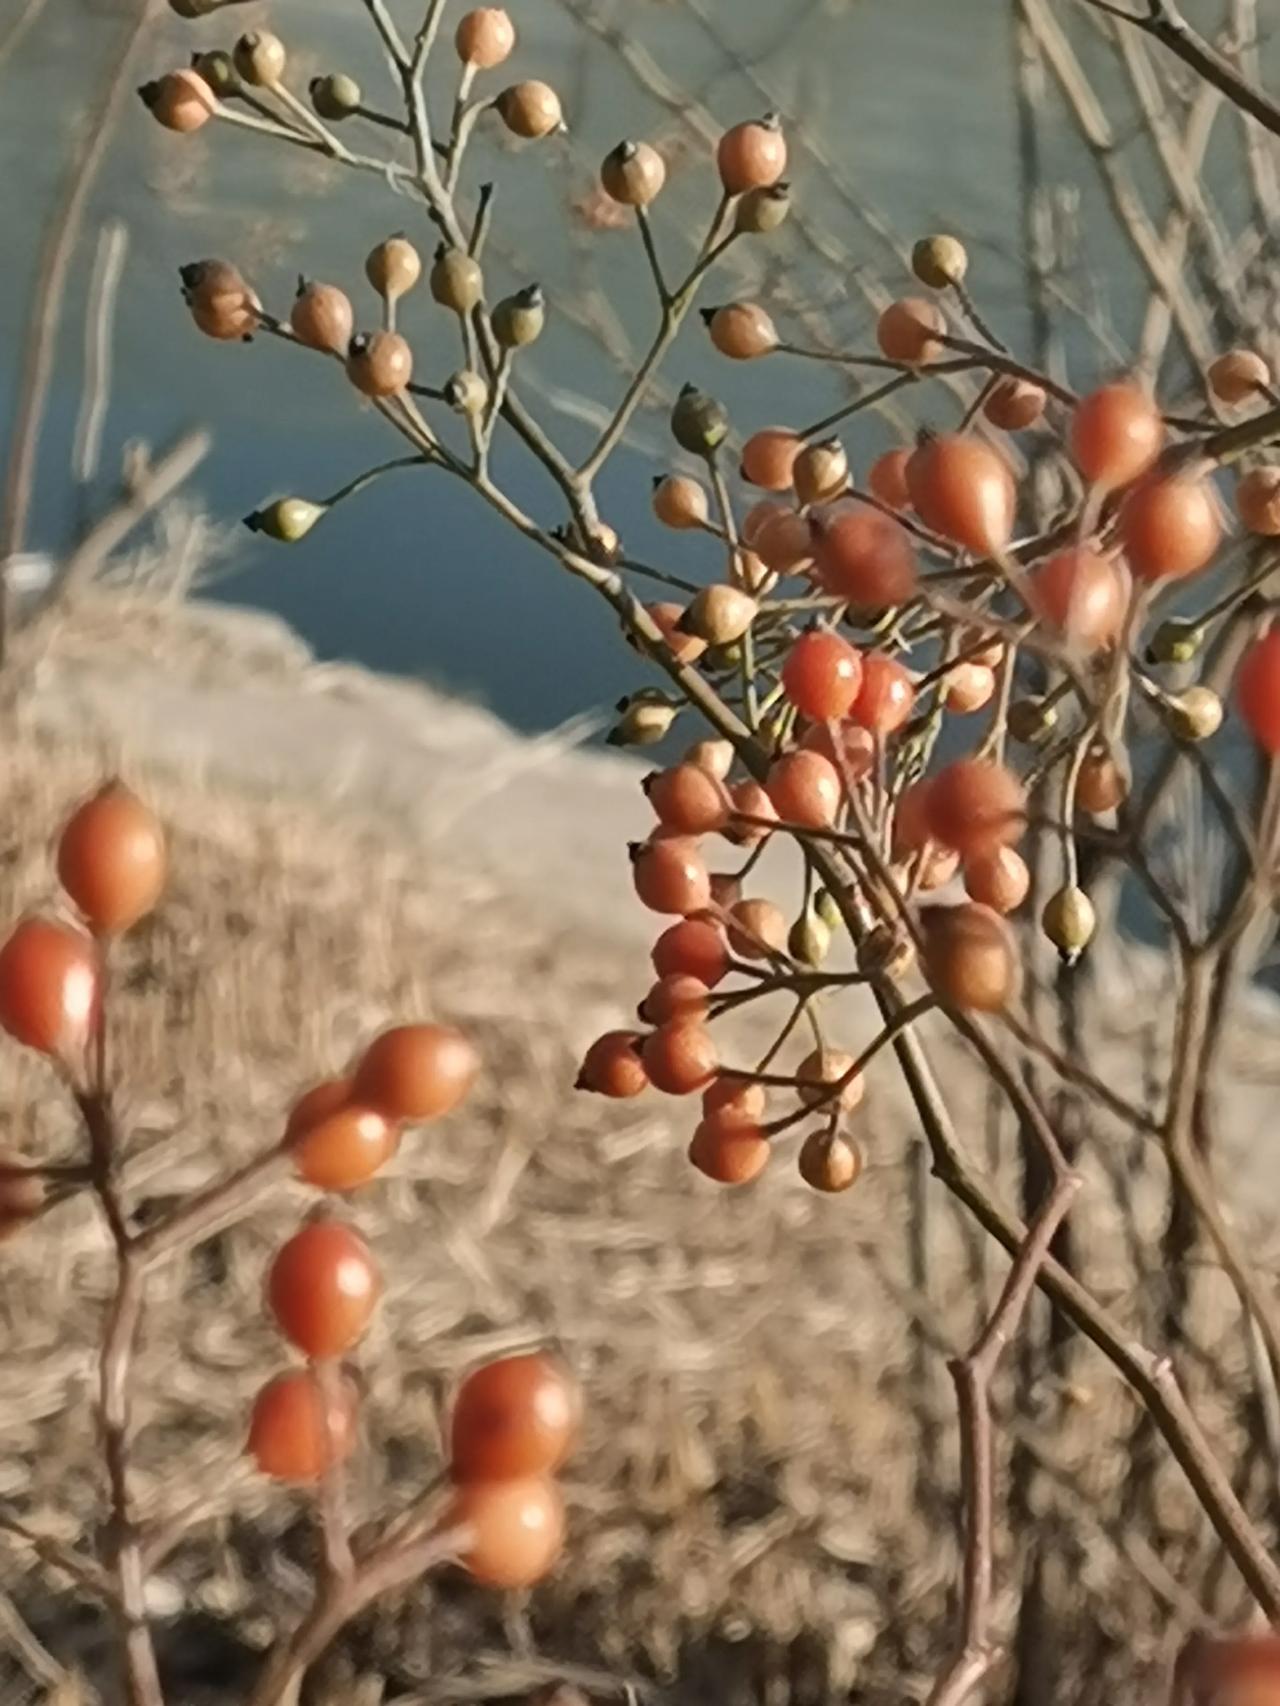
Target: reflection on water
pixel 412 576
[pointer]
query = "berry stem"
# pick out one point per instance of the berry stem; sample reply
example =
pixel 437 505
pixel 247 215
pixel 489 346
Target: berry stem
pixel 307 120
pixel 651 251
pixel 971 311
pixel 729 527
pixel 372 116
pixel 465 114
pixel 339 1563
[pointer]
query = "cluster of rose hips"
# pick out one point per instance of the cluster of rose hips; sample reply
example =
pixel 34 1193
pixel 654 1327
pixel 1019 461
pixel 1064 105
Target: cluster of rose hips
pixel 971 812
pixel 111 863
pixel 185 100
pixel 513 1420
pixel 379 361
pixel 323 1285
pixel 843 722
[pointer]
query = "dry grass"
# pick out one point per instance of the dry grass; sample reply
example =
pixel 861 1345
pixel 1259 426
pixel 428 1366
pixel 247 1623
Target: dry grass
pixel 764 1505
pixel 284 943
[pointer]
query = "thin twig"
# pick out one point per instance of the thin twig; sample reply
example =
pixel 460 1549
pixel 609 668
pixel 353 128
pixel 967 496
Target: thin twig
pixel 390 1566
pixel 1165 23
pixel 58 1556
pixel 207 1212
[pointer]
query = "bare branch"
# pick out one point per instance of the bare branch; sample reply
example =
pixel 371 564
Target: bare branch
pixel 390 1566
pixel 973 1375
pixel 142 1677
pixel 1165 23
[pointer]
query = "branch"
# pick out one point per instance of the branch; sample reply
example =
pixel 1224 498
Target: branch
pixel 1074 1073
pixel 651 254
pixel 206 1213
pixel 974 355
pixel 1151 1376
pixel 1122 189
pixel 1166 25
pixel 162 1534
pixel 390 1566
pixel 973 1375
pixel 330 148
pixel 1191 1055
pixel 674 308
pixel 385 26
pixel 17 29
pixel 90 1575
pixel 334 1524
pixel 114 1379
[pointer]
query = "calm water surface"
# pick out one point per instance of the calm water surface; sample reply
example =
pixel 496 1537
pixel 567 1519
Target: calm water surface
pixel 909 101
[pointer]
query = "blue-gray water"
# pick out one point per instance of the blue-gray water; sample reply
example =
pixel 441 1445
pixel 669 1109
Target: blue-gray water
pixel 910 101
